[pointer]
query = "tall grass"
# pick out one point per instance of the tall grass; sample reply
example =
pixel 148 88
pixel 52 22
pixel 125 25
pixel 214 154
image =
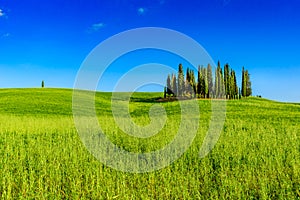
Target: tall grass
pixel 42 156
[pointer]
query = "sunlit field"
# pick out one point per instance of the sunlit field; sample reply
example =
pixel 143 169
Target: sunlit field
pixel 42 156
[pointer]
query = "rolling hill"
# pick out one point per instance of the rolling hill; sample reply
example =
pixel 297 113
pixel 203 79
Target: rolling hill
pixel 42 156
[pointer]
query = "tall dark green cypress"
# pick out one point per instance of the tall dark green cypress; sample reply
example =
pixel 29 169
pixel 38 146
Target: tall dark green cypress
pixel 204 82
pixel 199 79
pixel 180 80
pixel 169 90
pixel 193 83
pixel 222 84
pixel 226 80
pixel 235 86
pixel 174 83
pixel 248 84
pixel 216 89
pixel 210 83
pixel 244 83
pixel 187 83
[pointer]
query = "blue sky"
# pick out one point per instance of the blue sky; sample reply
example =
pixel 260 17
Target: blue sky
pixel 49 39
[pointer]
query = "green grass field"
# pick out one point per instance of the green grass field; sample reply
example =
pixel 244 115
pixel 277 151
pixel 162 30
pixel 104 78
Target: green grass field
pixel 42 156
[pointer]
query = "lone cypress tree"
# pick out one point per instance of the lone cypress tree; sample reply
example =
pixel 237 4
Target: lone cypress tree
pixel 43 84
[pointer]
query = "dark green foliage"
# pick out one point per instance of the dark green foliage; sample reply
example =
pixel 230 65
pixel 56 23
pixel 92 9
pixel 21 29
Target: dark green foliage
pixel 169 89
pixel 180 81
pixel 193 84
pixel 227 81
pixel 233 88
pixel 174 85
pixel 199 82
pixel 43 84
pixel 246 84
pixel 205 82
pixel 210 84
pixel 219 82
pixel 190 83
pixel 187 84
pixel 206 86
pixel 243 92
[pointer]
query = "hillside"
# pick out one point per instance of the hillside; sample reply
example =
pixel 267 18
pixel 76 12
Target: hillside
pixel 52 101
pixel 42 156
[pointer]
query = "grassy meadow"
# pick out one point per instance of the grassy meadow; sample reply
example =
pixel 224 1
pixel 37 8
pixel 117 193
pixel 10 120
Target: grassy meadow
pixel 42 156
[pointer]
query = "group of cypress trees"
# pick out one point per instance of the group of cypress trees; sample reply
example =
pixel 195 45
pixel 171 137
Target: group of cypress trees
pixel 222 85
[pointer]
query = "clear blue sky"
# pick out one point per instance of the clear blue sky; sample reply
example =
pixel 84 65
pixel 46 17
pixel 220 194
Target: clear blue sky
pixel 49 39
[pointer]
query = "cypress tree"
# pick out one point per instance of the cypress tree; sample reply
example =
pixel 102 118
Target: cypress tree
pixel 187 84
pixel 244 84
pixel 226 80
pixel 174 83
pixel 169 91
pixel 180 81
pixel 192 84
pixel 221 84
pixel 199 79
pixel 248 84
pixel 235 87
pixel 204 82
pixel 217 83
pixel 210 84
pixel 218 75
pixel 43 84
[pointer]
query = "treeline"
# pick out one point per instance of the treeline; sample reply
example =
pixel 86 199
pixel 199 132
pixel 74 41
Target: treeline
pixel 223 85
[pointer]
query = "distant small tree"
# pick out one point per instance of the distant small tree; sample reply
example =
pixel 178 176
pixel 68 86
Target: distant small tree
pixel 43 84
